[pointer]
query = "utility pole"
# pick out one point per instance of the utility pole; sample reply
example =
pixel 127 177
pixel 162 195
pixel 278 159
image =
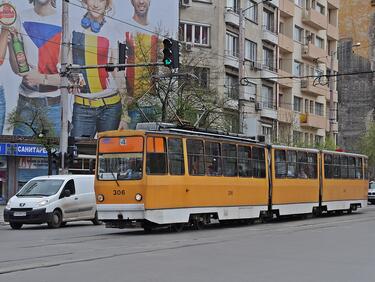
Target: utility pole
pixel 64 85
pixel 241 70
pixel 331 106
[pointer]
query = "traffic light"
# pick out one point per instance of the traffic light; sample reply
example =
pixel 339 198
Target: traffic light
pixel 167 51
pixel 123 55
pixel 171 53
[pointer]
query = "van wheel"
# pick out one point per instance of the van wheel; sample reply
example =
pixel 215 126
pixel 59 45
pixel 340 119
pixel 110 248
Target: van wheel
pixel 15 225
pixel 96 221
pixel 56 219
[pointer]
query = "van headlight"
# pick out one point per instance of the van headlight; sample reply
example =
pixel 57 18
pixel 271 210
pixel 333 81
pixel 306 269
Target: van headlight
pixel 138 197
pixel 42 203
pixel 8 205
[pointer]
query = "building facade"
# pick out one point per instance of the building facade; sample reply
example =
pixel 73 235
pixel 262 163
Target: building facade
pixel 283 39
pixel 356 92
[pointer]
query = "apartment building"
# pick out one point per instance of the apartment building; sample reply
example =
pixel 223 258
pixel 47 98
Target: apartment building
pixel 281 39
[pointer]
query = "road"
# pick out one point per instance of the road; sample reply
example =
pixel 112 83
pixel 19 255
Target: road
pixel 334 248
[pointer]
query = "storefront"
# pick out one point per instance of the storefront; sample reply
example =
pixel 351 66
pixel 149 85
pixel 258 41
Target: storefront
pixel 18 164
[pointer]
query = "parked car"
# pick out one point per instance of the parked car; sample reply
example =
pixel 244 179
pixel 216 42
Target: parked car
pixel 54 200
pixel 371 192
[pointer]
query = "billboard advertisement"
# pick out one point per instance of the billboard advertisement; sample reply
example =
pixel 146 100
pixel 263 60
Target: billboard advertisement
pixel 30 59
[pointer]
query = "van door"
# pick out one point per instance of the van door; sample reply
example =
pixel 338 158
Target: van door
pixel 70 205
pixel 86 194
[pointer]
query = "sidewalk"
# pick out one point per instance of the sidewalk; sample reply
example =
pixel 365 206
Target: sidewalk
pixel 2 207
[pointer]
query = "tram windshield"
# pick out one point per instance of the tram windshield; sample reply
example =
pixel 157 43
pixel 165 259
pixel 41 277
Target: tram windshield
pixel 120 158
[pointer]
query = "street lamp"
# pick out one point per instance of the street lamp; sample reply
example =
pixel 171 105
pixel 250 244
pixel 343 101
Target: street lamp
pixel 241 61
pixel 332 118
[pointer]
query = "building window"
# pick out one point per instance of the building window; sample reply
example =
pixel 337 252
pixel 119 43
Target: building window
pixel 297 137
pixel 297 68
pixel 267 132
pixel 298 2
pixel 319 109
pixel 268 58
pixel 297 104
pixel 268 20
pixel 311 106
pixel 320 8
pixel 298 34
pixel 203 75
pixel 231 46
pixel 233 5
pixel 195 33
pixel 252 11
pixel 267 97
pixel 231 86
pixel 250 51
pixel 318 140
pixel 319 42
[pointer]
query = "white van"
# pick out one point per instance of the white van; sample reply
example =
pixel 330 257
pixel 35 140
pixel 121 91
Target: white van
pixel 54 200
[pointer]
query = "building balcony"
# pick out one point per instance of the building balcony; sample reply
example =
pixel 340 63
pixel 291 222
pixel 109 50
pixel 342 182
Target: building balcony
pixel 313 121
pixel 269 35
pixel 314 19
pixel 231 61
pixel 267 110
pixel 335 4
pixel 285 82
pixel 286 8
pixel 269 73
pixel 335 96
pixel 285 115
pixel 286 43
pixel 231 18
pixel 307 86
pixel 313 53
pixel 332 32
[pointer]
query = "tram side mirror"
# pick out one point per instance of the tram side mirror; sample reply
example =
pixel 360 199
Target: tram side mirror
pixel 67 193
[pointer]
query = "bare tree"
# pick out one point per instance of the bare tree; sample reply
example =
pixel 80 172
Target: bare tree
pixel 185 97
pixel 33 118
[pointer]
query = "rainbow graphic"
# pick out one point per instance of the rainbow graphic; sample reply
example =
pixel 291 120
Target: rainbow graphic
pixel 47 38
pixel 91 50
pixel 142 49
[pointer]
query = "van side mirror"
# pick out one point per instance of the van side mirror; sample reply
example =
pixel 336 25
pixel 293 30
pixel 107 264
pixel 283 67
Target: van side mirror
pixel 67 193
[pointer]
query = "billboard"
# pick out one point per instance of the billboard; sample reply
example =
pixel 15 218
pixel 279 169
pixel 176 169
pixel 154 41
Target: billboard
pixel 30 59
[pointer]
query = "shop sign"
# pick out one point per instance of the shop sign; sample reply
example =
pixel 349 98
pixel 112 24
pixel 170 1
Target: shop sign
pixel 23 150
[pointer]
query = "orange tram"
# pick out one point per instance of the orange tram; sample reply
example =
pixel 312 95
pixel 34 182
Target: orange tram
pixel 172 177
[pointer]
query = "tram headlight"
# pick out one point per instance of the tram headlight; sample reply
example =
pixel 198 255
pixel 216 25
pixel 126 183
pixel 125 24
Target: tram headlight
pixel 100 198
pixel 138 197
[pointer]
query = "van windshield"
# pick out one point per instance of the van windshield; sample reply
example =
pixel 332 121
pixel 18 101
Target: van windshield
pixel 43 188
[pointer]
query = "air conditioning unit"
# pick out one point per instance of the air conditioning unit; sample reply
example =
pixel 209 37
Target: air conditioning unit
pixel 258 106
pixel 185 3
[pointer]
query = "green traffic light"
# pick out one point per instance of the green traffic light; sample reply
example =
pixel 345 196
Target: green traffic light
pixel 167 62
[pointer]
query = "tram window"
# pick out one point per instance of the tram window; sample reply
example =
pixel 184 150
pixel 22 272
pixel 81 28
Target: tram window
pixel 312 165
pixel 328 166
pixel 358 168
pixel 302 164
pixel 344 166
pixel 244 161
pixel 176 156
pixel 336 167
pixel 366 169
pixel 281 164
pixel 229 160
pixel 156 157
pixel 213 158
pixel 195 154
pixel 351 168
pixel 292 164
pixel 259 165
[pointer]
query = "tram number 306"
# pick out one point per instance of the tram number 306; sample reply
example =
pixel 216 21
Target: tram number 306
pixel 118 192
